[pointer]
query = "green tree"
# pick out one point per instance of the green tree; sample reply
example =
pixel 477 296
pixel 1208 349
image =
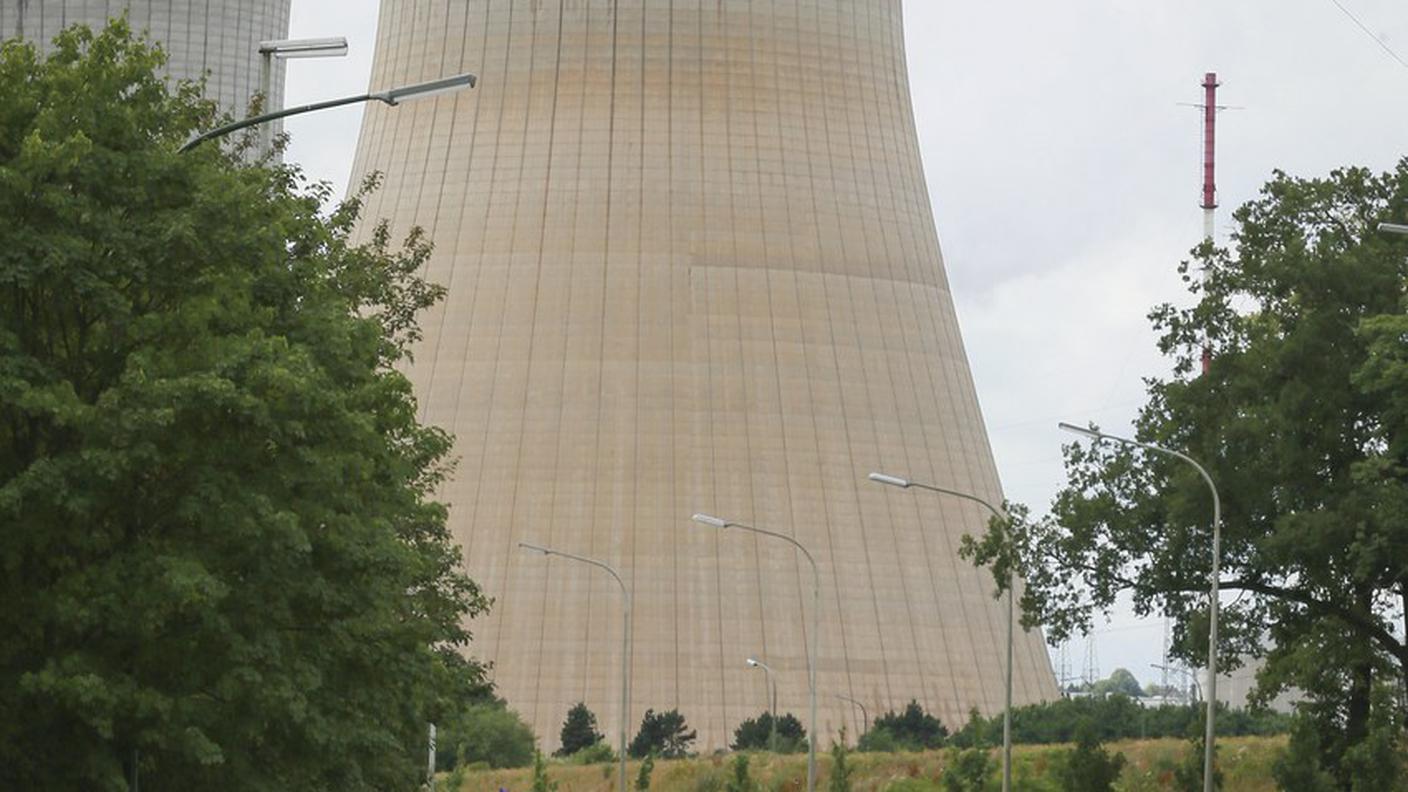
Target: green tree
pixel 841 771
pixel 741 781
pixel 912 729
pixel 222 563
pixel 756 734
pixel 1301 419
pixel 541 782
pixel 488 732
pixel 646 768
pixel 1121 682
pixel 968 770
pixel 578 730
pixel 1089 767
pixel 664 734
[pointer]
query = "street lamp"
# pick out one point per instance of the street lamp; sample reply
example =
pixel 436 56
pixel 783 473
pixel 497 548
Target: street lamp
pixel 865 716
pixel 391 97
pixel 1211 698
pixel 625 640
pixel 772 710
pixel 716 522
pixel 896 481
pixel 286 49
pixel 1393 228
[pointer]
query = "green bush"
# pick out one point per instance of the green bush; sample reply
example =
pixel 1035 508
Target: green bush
pixel 968 770
pixel 756 734
pixel 840 780
pixel 540 774
pixel 487 732
pixel 1089 767
pixel 912 729
pixel 663 734
pixel 597 753
pixel 1298 768
pixel 578 730
pixel 1188 775
pixel 741 781
pixel 646 768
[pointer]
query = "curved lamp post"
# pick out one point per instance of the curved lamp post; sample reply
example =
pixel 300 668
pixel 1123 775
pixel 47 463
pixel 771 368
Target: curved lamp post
pixel 391 97
pixel 896 481
pixel 772 709
pixel 716 522
pixel 625 640
pixel 1211 699
pixel 865 716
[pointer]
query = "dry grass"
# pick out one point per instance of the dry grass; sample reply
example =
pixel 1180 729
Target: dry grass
pixel 1246 763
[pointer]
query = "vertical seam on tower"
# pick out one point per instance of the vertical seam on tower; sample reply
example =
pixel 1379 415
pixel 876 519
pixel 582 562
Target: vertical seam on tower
pixel 670 325
pixel 428 392
pixel 877 285
pixel 499 355
pixel 942 370
pixel 640 261
pixel 802 342
pixel 571 264
pixel 836 359
pixel 868 403
pixel 615 11
pixel 588 579
pixel 532 335
pixel 714 536
pixel 908 252
pixel 736 264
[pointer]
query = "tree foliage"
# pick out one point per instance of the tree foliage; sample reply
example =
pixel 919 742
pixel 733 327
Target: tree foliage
pixel 578 730
pixel 756 734
pixel 487 732
pixel 221 560
pixel 840 778
pixel 912 729
pixel 1302 422
pixel 663 734
pixel 1089 767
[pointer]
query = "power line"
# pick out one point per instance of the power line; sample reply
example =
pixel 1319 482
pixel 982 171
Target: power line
pixel 1370 33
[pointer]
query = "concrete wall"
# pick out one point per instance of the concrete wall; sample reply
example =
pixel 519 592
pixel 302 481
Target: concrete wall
pixel 218 37
pixel 692 267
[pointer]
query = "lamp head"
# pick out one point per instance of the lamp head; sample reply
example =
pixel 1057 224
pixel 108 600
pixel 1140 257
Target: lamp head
pixel 893 481
pixel 534 548
pixel 424 90
pixel 305 48
pixel 1393 228
pixel 753 663
pixel 1090 433
pixel 710 520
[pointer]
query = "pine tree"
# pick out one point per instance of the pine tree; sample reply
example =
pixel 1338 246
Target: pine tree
pixel 578 730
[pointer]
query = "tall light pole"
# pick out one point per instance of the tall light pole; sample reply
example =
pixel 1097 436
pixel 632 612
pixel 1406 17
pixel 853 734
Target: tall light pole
pixel 896 481
pixel 393 97
pixel 286 49
pixel 772 709
pixel 716 522
pixel 625 640
pixel 1211 699
pixel 865 716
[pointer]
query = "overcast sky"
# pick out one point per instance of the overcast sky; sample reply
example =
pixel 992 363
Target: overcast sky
pixel 1065 179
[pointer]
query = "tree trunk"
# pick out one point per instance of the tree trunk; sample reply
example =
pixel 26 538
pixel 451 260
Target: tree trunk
pixel 1361 685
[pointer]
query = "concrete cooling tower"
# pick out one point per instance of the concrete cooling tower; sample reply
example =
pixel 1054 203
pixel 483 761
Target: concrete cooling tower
pixel 220 37
pixel 692 267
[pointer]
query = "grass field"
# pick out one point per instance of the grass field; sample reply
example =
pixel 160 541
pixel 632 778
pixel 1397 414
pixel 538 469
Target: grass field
pixel 1246 764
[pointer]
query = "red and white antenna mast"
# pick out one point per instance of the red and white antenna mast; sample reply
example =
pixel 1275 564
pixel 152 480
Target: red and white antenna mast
pixel 1209 152
pixel 1209 204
